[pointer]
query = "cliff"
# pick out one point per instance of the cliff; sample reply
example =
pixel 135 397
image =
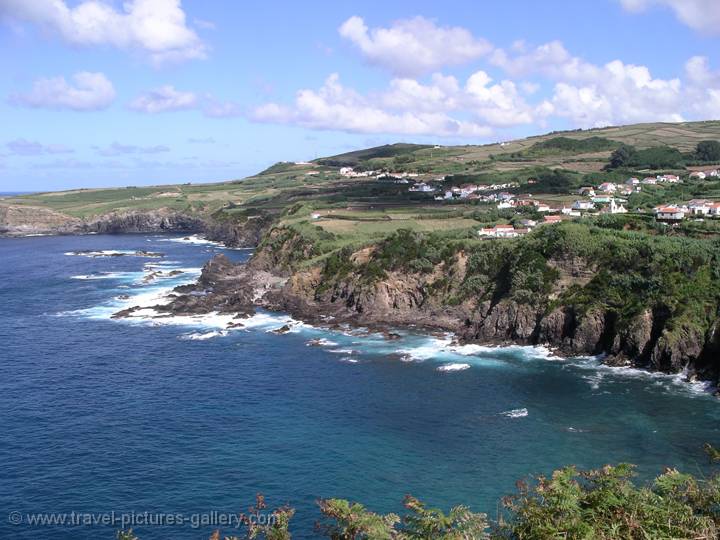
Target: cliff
pixel 22 220
pixel 546 290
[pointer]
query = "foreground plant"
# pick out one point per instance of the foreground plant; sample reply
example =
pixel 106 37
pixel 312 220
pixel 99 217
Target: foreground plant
pixel 601 504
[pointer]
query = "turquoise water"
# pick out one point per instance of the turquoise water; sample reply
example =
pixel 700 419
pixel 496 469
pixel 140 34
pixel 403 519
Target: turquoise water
pixel 182 416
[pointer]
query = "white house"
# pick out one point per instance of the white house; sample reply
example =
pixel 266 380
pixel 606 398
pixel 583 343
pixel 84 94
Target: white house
pixel 699 207
pixel 347 171
pixel 586 191
pixel 669 213
pixel 505 204
pixel 669 178
pixel 698 174
pixel 650 180
pixel 583 205
pixel 632 181
pixel 423 187
pixel 315 215
pixel 502 231
pixel 607 187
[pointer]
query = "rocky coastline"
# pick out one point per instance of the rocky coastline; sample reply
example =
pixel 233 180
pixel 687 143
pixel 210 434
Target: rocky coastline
pixel 20 221
pixel 403 302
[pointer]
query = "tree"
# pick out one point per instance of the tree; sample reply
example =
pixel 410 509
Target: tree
pixel 621 157
pixel 708 151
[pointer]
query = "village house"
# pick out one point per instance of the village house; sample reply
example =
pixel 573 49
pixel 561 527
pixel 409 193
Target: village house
pixel 607 187
pixel 586 191
pixel 582 205
pixel 552 219
pixel 668 178
pixel 698 175
pixel 423 187
pixel 670 214
pixel 632 181
pixel 699 207
pixel 502 231
pixel 542 207
pixel 568 211
pixel 467 189
pixel 505 196
pixel 528 223
pixel 649 180
pixel 714 209
pixel 315 215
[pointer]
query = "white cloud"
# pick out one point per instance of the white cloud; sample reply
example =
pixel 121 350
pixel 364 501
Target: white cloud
pixel 414 46
pixel 703 93
pixel 156 27
pixel 701 15
pixel 117 149
pixel 164 98
pixel 620 94
pixel 88 92
pixel 591 95
pixel 23 147
pixel 335 107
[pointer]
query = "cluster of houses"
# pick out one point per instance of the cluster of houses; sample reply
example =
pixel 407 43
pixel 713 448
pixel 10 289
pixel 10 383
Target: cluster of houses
pixel 473 192
pixel 673 213
pixel 702 175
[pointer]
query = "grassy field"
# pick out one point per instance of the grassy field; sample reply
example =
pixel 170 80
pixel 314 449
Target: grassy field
pixel 353 209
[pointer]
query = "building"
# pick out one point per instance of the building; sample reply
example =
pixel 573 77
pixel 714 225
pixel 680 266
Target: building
pixel 315 215
pixel 586 191
pixel 583 205
pixel 502 231
pixel 698 175
pixel 607 187
pixel 423 187
pixel 699 207
pixel 614 208
pixel 632 181
pixel 670 214
pixel 669 178
pixel 528 223
pixel 649 180
pixel 552 219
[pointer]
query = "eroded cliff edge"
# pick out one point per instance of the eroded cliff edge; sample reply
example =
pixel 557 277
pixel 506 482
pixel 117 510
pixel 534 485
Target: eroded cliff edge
pixel 648 303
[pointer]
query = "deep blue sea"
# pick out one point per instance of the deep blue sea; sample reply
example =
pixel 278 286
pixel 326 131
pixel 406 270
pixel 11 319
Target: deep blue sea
pixel 183 416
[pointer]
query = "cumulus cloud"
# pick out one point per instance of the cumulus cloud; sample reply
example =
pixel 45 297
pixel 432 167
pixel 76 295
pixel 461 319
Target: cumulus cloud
pixel 156 27
pixel 703 88
pixel 164 98
pixel 701 15
pixel 87 92
pixel 591 95
pixel 414 46
pixel 23 147
pixel 407 107
pixel 621 94
pixel 116 149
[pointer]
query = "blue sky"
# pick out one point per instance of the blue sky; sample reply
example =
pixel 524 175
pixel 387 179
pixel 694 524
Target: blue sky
pixel 102 93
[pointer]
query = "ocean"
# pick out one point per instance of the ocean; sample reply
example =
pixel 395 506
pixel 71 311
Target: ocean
pixel 116 418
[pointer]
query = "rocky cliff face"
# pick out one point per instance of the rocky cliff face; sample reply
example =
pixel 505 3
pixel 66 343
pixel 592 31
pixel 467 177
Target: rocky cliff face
pixel 19 220
pixel 651 340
